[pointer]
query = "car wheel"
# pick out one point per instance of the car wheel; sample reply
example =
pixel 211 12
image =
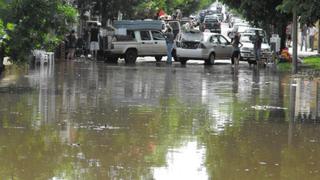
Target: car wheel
pixel 130 56
pixel 158 58
pixel 210 60
pixel 183 61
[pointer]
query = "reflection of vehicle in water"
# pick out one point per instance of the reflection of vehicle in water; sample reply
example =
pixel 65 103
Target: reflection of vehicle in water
pixel 203 46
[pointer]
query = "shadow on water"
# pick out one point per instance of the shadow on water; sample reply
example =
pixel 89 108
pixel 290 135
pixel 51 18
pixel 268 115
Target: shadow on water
pixel 86 119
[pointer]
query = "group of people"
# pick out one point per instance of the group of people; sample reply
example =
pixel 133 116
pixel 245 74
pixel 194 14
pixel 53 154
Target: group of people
pixel 72 42
pixel 257 42
pixel 306 32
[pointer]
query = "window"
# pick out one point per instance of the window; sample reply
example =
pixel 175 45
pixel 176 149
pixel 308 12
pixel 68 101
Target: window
pixel 214 40
pixel 223 40
pixel 157 35
pixel 145 35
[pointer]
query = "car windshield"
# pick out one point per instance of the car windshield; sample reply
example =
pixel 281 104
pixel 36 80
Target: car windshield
pixel 242 29
pixel 249 38
pixel 246 38
pixel 253 31
pixel 192 36
pixel 211 20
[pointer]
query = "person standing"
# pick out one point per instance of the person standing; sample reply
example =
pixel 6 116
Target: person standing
pixel 288 33
pixel 312 32
pixel 72 43
pixel 94 41
pixel 169 36
pixel 236 49
pixel 257 47
pixel 304 31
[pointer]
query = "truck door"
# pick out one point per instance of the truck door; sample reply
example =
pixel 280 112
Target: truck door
pixel 159 43
pixel 146 45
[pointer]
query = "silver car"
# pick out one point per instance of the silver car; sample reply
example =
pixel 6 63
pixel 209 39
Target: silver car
pixel 202 46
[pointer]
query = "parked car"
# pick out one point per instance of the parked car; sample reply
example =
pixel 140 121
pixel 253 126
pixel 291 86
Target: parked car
pixel 202 46
pixel 247 52
pixel 212 23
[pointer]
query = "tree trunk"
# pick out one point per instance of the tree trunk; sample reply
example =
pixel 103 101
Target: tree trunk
pixel 1 58
pixel 319 36
pixel 295 42
pixel 283 35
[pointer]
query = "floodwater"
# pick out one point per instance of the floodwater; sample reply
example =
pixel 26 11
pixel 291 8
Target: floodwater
pixel 91 120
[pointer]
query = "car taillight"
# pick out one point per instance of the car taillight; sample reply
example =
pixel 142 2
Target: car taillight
pixel 202 46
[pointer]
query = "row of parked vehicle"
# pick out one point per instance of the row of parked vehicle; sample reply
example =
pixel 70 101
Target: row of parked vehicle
pixel 145 38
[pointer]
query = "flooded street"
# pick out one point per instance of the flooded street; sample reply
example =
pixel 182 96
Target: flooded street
pixel 91 120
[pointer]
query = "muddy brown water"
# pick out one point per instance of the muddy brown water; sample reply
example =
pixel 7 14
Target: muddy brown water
pixel 88 120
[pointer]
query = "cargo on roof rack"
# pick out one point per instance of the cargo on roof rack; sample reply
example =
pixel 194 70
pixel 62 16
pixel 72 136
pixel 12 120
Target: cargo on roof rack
pixel 139 24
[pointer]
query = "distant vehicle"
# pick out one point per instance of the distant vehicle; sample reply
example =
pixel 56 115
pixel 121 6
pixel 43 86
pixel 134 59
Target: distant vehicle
pixel 211 23
pixel 247 53
pixel 203 46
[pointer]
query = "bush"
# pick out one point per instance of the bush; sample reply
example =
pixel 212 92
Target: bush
pixel 313 62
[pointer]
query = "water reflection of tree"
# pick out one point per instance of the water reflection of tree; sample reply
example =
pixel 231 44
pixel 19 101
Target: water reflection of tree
pixel 30 154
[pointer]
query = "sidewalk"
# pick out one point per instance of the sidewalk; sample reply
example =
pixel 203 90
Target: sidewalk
pixel 303 54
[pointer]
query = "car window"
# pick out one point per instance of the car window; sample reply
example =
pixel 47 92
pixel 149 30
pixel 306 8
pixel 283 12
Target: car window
pixel 157 35
pixel 223 40
pixel 214 40
pixel 145 35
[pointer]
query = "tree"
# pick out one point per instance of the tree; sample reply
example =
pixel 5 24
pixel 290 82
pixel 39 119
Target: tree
pixel 263 14
pixel 36 24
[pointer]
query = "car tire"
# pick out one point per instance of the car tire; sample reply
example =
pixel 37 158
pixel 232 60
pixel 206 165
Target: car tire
pixel 183 61
pixel 210 60
pixel 130 56
pixel 158 58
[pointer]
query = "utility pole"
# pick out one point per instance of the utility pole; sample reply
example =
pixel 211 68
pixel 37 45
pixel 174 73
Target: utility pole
pixel 319 36
pixel 295 42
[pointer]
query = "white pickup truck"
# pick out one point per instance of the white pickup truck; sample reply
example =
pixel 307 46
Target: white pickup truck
pixel 141 38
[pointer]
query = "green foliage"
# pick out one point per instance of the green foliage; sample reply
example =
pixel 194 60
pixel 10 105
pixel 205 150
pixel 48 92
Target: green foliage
pixel 32 24
pixel 2 29
pixel 284 67
pixel 141 8
pixel 313 62
pixel 308 10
